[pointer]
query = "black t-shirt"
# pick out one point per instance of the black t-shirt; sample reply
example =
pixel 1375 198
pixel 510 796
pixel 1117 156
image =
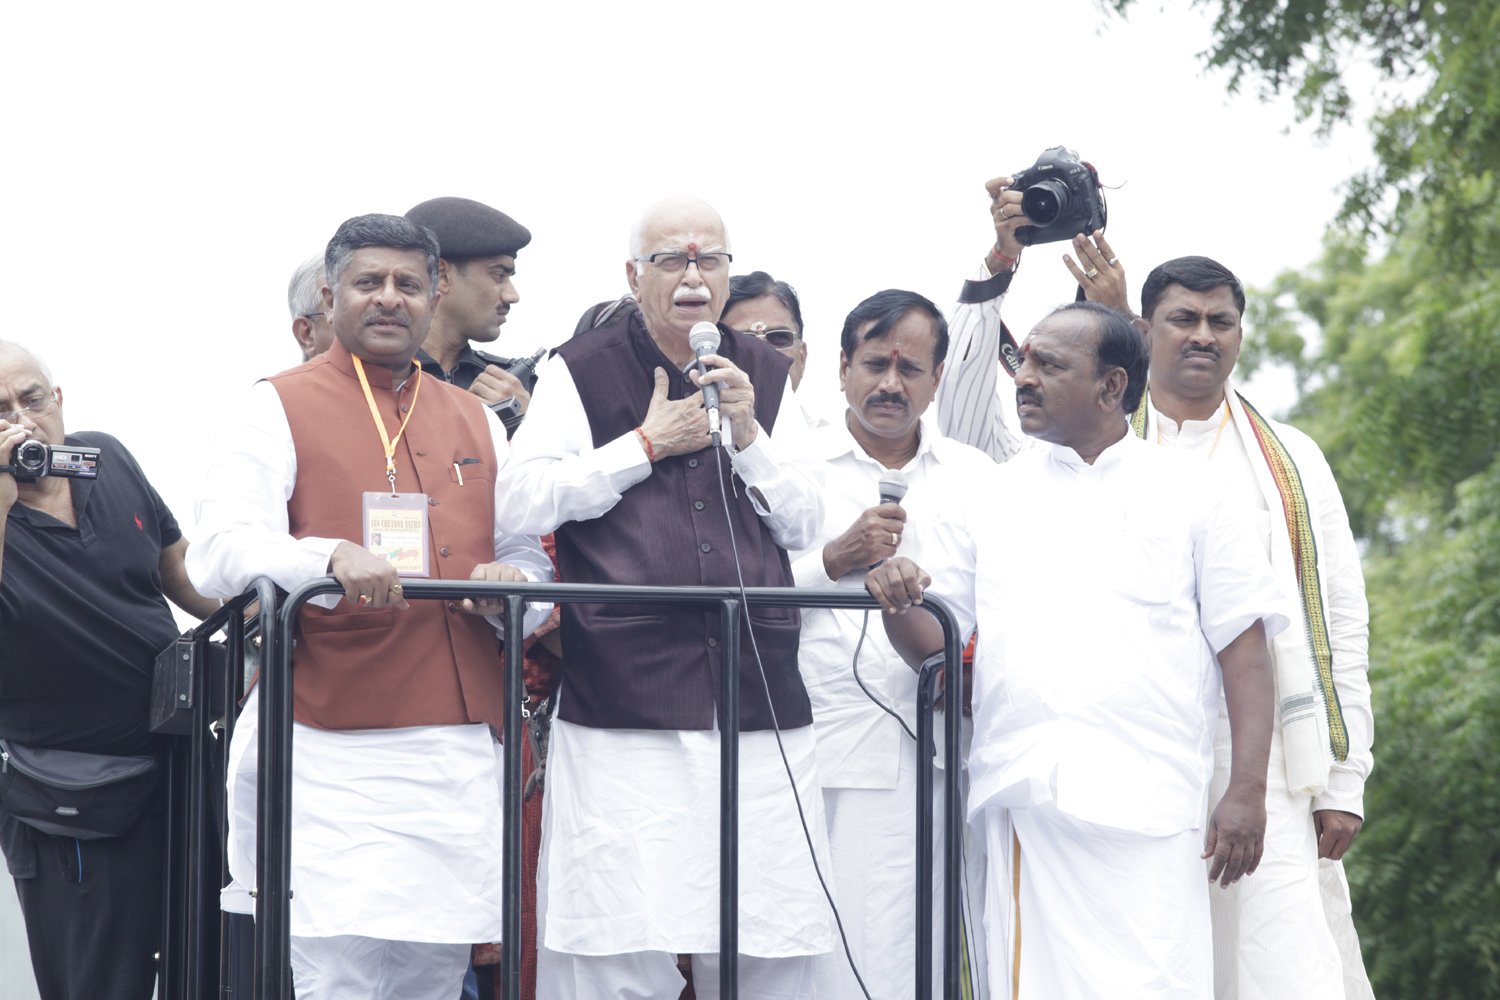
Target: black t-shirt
pixel 82 615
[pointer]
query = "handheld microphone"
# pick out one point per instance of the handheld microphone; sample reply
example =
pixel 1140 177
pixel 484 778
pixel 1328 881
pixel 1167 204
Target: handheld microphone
pixel 704 339
pixel 893 488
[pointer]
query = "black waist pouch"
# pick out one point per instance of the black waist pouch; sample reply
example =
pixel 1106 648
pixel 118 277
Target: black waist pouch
pixel 70 794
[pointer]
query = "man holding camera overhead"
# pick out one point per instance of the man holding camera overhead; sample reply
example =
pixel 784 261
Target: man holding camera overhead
pixel 90 554
pixel 478 245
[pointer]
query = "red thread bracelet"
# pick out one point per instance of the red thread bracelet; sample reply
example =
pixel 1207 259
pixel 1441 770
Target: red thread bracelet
pixel 995 253
pixel 650 451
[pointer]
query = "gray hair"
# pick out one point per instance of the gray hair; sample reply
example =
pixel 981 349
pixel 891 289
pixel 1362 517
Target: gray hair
pixel 638 230
pixel 11 347
pixel 379 231
pixel 304 296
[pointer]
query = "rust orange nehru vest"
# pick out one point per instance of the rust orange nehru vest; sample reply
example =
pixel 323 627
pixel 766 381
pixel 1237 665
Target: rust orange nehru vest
pixel 382 668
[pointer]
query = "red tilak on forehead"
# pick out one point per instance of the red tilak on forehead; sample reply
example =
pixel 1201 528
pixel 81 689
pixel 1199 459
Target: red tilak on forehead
pixel 693 247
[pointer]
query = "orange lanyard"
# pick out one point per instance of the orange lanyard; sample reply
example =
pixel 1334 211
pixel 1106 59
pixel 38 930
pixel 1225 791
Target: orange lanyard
pixel 385 439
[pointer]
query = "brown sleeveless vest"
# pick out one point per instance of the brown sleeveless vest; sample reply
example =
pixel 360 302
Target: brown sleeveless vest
pixel 357 668
pixel 654 667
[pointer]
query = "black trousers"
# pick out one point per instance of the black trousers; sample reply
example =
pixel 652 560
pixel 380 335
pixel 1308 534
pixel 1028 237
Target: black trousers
pixel 92 908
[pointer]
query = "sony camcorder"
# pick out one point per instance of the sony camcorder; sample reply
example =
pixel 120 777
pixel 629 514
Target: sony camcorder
pixel 31 460
pixel 1061 196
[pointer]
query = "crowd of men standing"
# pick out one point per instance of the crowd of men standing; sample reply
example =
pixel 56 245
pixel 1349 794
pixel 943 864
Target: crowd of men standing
pixel 1170 727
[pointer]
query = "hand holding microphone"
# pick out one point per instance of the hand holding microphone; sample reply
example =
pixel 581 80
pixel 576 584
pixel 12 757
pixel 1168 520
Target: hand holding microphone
pixel 724 386
pixel 874 536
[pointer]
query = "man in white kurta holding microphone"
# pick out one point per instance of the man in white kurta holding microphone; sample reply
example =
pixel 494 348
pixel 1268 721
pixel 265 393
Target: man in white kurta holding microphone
pixel 616 458
pixel 1104 590
pixel 894 486
pixel 1288 932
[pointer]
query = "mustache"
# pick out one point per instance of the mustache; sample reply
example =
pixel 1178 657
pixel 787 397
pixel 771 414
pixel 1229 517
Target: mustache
pixel 1202 349
pixel 689 292
pixel 881 398
pixel 376 315
pixel 1026 392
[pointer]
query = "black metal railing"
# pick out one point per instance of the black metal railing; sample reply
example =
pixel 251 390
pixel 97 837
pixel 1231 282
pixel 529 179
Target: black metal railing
pixel 273 806
pixel 195 953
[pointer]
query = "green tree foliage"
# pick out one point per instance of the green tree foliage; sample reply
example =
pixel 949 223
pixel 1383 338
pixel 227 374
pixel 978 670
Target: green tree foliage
pixel 1401 386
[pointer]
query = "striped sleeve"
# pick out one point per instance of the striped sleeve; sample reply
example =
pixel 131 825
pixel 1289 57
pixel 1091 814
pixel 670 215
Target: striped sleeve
pixel 969 405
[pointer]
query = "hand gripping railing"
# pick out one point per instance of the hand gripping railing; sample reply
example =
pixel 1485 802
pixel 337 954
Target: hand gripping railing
pixel 273 816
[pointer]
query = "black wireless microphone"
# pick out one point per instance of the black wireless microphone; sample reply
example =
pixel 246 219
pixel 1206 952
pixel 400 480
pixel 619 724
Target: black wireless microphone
pixel 704 339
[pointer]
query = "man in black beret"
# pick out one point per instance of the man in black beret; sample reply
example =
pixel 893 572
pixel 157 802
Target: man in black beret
pixel 479 247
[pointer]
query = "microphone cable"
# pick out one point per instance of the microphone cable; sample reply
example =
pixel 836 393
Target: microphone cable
pixel 776 727
pixel 888 710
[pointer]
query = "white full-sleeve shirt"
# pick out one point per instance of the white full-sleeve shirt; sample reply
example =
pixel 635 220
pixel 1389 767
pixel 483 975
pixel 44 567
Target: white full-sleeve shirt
pixel 556 475
pixel 948 484
pixel 1102 593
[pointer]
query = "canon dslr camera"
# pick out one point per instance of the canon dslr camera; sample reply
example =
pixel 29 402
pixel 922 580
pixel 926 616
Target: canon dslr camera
pixel 31 460
pixel 1061 196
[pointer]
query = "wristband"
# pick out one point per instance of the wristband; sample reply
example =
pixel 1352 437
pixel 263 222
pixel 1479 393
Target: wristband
pixel 995 253
pixel 650 452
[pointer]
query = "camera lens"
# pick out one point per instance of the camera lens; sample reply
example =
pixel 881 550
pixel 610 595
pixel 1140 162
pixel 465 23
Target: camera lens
pixel 1044 201
pixel 30 456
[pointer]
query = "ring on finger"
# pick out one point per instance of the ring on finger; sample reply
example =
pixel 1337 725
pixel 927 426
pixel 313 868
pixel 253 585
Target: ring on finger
pixel 395 588
pixel 895 539
pixel 1113 261
pixel 1091 273
pixel 364 598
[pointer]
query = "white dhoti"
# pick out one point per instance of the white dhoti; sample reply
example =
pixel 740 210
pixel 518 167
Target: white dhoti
pixel 396 839
pixel 630 859
pixel 1277 932
pixel 872 836
pixel 1086 911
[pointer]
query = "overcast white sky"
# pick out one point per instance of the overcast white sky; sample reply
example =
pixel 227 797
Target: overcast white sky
pixel 167 167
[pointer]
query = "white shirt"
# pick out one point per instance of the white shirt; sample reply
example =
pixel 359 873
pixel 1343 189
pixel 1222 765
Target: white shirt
pixel 976 401
pixel 1101 600
pixel 556 475
pixel 1341 572
pixel 858 743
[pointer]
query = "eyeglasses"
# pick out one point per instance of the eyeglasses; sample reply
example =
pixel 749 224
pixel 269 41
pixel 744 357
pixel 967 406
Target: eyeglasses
pixel 35 408
pixel 312 315
pixel 780 338
pixel 672 263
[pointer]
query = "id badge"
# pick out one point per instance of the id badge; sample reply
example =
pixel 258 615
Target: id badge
pixel 396 530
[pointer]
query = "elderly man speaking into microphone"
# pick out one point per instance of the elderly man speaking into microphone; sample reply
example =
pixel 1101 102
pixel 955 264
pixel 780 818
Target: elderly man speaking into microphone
pixel 616 458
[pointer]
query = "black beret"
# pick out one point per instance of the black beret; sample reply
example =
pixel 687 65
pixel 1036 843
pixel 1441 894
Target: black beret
pixel 466 228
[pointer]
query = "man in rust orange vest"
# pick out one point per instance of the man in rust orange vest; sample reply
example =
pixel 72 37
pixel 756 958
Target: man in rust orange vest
pixel 355 464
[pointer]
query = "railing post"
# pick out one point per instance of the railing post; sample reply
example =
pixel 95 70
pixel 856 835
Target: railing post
pixel 729 801
pixel 953 814
pixel 515 737
pixel 926 700
pixel 273 808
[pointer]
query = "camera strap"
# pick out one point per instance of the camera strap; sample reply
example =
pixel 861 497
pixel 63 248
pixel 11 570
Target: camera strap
pixel 975 292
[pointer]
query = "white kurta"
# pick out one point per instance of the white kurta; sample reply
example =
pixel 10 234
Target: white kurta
pixel 395 833
pixel 630 820
pixel 1287 932
pixel 866 763
pixel 1101 600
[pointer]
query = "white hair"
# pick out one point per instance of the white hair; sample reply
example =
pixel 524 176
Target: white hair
pixel 11 347
pixel 304 296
